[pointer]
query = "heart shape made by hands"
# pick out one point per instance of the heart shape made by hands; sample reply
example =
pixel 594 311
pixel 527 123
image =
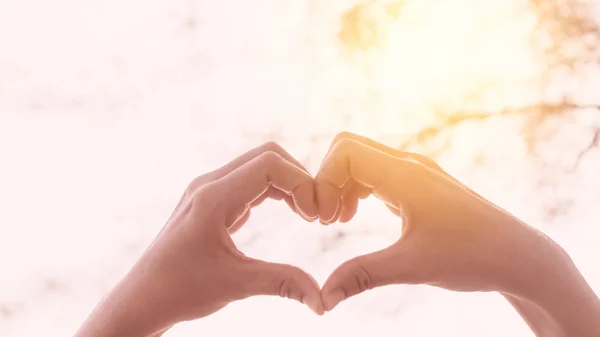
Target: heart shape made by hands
pixel 451 237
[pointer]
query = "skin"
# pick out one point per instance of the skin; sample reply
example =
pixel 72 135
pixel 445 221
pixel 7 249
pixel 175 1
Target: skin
pixel 452 238
pixel 193 268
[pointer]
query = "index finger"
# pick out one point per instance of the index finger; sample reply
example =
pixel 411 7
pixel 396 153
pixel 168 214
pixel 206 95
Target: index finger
pixel 420 159
pixel 391 178
pixel 428 162
pixel 248 156
pixel 244 185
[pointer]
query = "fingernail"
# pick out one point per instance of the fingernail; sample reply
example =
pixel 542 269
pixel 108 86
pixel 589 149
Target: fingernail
pixel 312 219
pixel 306 216
pixel 333 298
pixel 314 304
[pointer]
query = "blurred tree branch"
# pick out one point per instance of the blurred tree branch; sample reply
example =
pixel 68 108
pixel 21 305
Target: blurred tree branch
pixel 456 118
pixel 594 142
pixel 565 40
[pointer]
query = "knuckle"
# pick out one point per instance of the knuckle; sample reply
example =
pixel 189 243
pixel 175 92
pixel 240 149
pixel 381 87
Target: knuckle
pixel 272 146
pixel 189 191
pixel 270 158
pixel 363 278
pixel 199 182
pixel 284 288
pixel 211 204
pixel 344 145
pixel 426 161
pixel 283 284
pixel 343 135
pixel 411 166
pixel 202 195
pixel 193 186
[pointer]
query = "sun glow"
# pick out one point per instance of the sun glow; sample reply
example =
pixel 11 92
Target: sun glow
pixel 437 53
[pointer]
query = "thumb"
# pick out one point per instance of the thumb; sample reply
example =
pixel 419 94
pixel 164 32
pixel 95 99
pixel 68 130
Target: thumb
pixel 266 278
pixel 363 273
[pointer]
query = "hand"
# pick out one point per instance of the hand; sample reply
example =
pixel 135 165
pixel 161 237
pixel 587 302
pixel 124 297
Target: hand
pixel 451 238
pixel 193 268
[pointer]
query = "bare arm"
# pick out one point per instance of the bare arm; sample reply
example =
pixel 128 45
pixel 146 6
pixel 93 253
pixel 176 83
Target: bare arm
pixel 567 307
pixel 452 238
pixel 538 320
pixel 193 268
pixel 561 305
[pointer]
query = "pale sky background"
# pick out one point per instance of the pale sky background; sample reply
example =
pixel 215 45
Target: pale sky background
pixel 109 108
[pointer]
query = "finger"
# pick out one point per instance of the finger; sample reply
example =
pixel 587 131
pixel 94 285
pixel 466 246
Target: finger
pixel 266 278
pixel 248 156
pixel 234 164
pixel 328 198
pixel 362 273
pixel 275 194
pixel 239 161
pixel 349 200
pixel 390 178
pixel 423 160
pixel 289 200
pixel 349 204
pixel 250 181
pixel 337 213
pixel 361 191
pixel 271 193
pixel 394 210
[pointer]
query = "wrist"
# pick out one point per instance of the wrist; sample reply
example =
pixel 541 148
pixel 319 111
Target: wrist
pixel 554 285
pixel 532 261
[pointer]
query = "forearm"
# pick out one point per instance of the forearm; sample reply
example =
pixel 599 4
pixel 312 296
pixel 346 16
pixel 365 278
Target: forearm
pixel 126 311
pixel 573 306
pixel 560 303
pixel 539 321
